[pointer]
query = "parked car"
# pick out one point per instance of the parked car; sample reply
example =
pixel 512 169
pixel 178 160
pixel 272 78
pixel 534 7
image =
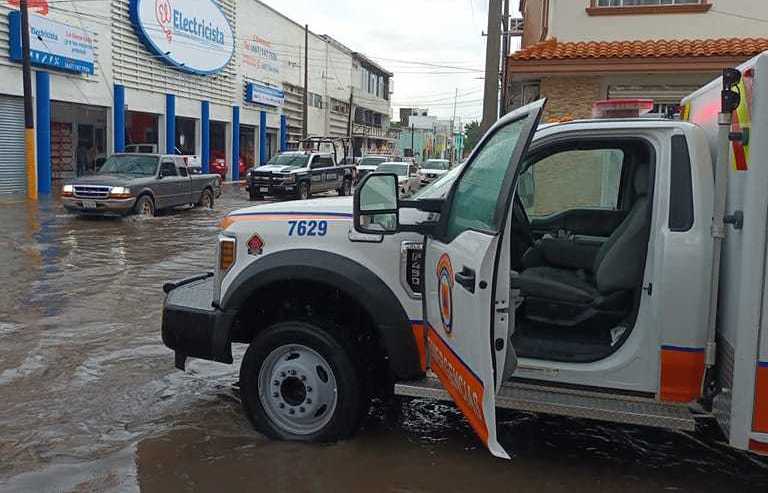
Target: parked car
pixel 433 168
pixel 218 164
pixel 369 164
pixel 141 184
pixel 408 180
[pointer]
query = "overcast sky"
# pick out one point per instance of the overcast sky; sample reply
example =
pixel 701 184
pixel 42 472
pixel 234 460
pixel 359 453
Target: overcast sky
pixel 396 33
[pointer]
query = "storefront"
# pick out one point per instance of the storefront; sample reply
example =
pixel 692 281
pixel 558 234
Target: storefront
pixel 153 76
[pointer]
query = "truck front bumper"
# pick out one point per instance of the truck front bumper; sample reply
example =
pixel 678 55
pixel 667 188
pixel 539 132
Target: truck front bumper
pixel 192 325
pixel 116 207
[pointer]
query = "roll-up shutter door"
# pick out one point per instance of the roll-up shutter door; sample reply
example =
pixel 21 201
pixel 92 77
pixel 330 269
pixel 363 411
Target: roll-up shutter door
pixel 13 175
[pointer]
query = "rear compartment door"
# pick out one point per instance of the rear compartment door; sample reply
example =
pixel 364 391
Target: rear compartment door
pixel 465 292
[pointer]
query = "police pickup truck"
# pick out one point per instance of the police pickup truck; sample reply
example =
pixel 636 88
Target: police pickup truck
pixel 604 295
pixel 316 168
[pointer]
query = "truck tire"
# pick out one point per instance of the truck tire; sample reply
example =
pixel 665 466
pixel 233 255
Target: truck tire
pixel 346 188
pixel 145 206
pixel 206 199
pixel 298 382
pixel 305 191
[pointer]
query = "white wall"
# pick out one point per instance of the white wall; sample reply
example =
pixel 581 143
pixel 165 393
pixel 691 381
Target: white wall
pixel 568 21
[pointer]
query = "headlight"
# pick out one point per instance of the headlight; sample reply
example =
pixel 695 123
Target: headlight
pixel 120 192
pixel 290 179
pixel 67 190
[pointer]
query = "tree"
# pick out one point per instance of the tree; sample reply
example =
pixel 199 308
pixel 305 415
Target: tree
pixel 472 136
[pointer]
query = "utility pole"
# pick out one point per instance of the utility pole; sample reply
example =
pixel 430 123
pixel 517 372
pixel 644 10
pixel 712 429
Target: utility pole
pixel 413 149
pixel 492 49
pixel 349 118
pixel 504 54
pixel 305 114
pixel 453 126
pixel 29 121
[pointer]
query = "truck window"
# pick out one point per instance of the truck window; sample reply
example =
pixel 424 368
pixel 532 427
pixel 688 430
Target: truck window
pixel 168 168
pixel 321 162
pixel 572 179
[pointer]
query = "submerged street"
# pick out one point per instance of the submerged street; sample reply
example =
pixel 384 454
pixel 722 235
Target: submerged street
pixel 90 401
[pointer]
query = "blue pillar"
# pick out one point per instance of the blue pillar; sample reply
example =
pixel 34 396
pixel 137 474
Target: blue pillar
pixel 235 143
pixel 283 133
pixel 262 138
pixel 118 112
pixel 43 126
pixel 170 124
pixel 205 133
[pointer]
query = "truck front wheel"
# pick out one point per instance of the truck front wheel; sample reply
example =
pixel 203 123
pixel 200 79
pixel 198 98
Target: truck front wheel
pixel 304 190
pixel 299 383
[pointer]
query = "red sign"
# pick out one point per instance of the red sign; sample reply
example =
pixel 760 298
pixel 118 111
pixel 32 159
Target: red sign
pixel 40 6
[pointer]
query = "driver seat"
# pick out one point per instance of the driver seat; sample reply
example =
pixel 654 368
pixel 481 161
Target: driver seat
pixel 568 297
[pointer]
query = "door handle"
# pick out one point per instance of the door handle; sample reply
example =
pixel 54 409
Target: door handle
pixel 466 278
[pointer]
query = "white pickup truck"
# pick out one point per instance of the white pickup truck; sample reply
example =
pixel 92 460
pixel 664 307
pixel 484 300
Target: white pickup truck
pixel 593 294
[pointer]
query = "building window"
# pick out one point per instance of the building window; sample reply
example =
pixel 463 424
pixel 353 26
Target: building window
pixel 315 100
pixel 618 7
pixel 339 106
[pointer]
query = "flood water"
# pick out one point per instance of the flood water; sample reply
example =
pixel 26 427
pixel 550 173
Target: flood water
pixel 90 401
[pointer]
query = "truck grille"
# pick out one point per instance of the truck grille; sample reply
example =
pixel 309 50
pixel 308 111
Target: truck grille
pixel 91 191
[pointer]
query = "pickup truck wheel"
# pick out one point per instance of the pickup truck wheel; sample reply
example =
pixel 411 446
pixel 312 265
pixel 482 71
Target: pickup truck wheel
pixel 206 199
pixel 299 383
pixel 145 206
pixel 346 188
pixel 304 191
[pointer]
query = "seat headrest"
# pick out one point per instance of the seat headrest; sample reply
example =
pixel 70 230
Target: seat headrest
pixel 641 179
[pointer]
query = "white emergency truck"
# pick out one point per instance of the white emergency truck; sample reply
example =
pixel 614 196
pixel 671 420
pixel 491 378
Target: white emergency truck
pixel 605 269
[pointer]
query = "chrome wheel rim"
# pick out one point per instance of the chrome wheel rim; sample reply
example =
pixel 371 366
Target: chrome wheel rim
pixel 347 188
pixel 297 389
pixel 304 192
pixel 207 200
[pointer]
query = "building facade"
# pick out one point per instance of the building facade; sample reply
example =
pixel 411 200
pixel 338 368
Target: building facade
pixel 222 79
pixel 576 52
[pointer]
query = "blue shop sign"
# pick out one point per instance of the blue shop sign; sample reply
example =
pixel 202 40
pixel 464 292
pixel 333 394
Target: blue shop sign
pixel 52 44
pixel 266 95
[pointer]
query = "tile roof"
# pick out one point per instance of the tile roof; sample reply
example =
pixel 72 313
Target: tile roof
pixel 552 49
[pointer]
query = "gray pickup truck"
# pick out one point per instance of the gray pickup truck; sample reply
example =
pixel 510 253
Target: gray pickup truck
pixel 141 184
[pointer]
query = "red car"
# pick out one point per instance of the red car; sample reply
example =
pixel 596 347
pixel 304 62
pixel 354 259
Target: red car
pixel 218 165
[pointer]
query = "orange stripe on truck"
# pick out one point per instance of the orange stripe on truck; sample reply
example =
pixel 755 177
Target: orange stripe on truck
pixel 463 385
pixel 682 373
pixel 760 416
pixel 418 335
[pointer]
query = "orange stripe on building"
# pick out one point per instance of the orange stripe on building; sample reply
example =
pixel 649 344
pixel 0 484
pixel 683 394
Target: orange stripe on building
pixel 465 388
pixel 682 374
pixel 418 335
pixel 760 416
pixel 230 220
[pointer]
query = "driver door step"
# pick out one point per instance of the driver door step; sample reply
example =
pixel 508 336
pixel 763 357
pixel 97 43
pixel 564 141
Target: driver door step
pixel 588 405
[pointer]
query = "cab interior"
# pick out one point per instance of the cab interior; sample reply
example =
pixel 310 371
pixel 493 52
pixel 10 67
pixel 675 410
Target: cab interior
pixel 580 232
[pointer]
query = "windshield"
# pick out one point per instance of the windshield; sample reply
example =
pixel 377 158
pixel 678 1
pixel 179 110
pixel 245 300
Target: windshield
pixel 129 165
pixel 440 187
pixel 289 160
pixel 398 169
pixel 435 164
pixel 371 161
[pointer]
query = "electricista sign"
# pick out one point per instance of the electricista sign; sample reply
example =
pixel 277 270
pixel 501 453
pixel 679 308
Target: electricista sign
pixel 192 35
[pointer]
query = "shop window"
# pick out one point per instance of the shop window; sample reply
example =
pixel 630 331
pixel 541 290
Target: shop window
pixel 315 100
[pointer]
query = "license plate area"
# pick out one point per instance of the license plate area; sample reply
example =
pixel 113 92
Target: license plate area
pixel 264 189
pixel 89 204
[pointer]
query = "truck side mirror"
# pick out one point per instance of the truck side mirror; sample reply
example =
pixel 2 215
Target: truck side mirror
pixel 376 204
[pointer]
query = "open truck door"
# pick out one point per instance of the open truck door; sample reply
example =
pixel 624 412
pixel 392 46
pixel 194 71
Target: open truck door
pixel 466 286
